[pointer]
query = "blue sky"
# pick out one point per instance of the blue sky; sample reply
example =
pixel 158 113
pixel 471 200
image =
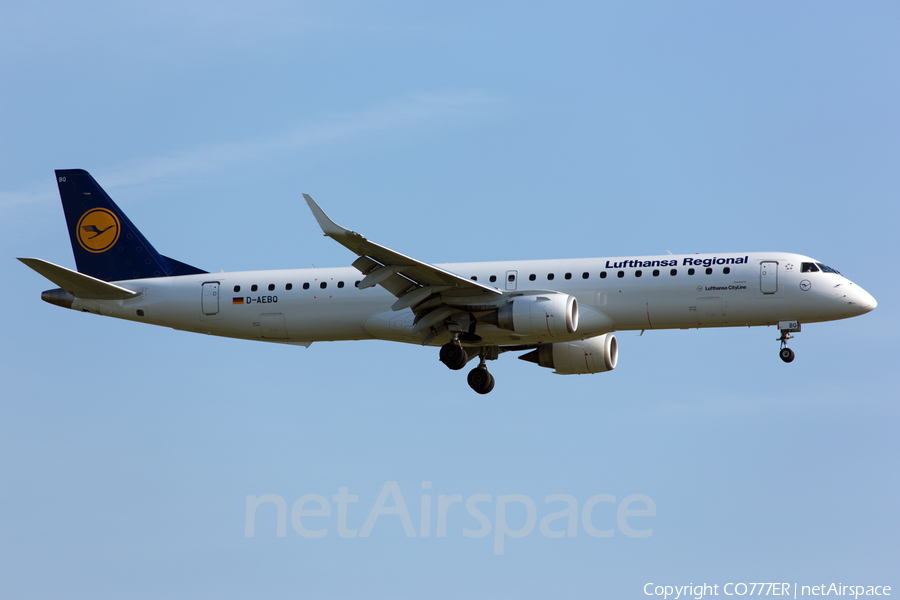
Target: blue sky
pixel 451 133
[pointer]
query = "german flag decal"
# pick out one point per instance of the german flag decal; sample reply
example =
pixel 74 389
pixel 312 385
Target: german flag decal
pixel 237 300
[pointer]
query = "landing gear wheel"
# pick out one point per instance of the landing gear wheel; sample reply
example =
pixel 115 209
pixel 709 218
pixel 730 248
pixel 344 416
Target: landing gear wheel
pixel 480 380
pixel 786 354
pixel 453 355
pixel 786 327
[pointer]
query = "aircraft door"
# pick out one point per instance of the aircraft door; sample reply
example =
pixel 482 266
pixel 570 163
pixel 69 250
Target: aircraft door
pixel 768 277
pixel 209 302
pixel 272 326
pixel 511 277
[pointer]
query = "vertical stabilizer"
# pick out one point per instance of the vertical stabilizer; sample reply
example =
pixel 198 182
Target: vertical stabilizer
pixel 105 242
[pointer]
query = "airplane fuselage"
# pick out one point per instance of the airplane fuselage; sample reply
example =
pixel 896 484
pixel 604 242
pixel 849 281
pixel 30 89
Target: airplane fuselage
pixel 634 293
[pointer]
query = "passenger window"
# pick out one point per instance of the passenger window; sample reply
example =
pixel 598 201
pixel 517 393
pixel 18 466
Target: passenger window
pixel 289 286
pixel 340 284
pixel 709 270
pixel 691 271
pixel 568 276
pixel 305 286
pixel 493 278
pixel 602 274
pixel 356 284
pixel 532 277
pixel 585 275
pixel 726 270
pixel 620 274
pixel 254 287
pixel 550 276
pixel 656 272
pixel 271 287
pixel 473 278
pixel 323 285
pixel 638 273
pixel 237 288
pixel 673 272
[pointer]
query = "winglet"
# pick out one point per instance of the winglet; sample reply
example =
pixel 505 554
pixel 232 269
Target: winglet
pixel 383 265
pixel 329 227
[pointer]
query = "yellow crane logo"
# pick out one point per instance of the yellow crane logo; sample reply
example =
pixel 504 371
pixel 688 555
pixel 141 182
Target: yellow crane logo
pixel 98 230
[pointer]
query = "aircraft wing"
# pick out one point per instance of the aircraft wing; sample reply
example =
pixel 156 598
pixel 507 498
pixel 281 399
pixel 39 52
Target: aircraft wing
pixel 411 280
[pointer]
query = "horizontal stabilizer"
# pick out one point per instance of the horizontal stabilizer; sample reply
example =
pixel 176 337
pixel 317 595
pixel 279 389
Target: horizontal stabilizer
pixel 79 284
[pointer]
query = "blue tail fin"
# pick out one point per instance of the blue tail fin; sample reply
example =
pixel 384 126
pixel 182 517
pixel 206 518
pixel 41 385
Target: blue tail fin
pixel 105 242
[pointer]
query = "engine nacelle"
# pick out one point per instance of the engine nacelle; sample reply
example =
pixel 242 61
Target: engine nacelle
pixel 593 355
pixel 547 314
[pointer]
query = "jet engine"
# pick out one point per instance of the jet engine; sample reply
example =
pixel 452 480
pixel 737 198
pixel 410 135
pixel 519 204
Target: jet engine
pixel 549 314
pixel 593 355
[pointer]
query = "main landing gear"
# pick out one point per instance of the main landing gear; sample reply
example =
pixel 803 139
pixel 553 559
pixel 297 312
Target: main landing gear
pixel 455 357
pixel 787 327
pixel 480 380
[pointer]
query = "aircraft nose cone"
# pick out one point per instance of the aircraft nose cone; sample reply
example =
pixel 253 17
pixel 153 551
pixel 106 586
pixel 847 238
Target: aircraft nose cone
pixel 870 303
pixel 864 300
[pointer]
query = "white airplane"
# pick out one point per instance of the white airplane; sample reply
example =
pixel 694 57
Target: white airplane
pixel 564 312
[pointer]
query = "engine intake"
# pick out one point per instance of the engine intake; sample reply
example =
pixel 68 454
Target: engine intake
pixel 593 355
pixel 551 315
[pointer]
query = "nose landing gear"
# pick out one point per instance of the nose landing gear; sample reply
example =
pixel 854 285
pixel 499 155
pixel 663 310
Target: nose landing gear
pixel 786 354
pixel 787 327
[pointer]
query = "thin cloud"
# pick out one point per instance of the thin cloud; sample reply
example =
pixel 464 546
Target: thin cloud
pixel 35 194
pixel 410 113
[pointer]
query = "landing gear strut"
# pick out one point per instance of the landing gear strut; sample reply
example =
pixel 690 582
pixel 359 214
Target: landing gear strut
pixel 786 327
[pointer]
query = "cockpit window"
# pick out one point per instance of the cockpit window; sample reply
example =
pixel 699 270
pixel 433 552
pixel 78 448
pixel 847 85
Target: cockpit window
pixel 828 269
pixel 809 268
